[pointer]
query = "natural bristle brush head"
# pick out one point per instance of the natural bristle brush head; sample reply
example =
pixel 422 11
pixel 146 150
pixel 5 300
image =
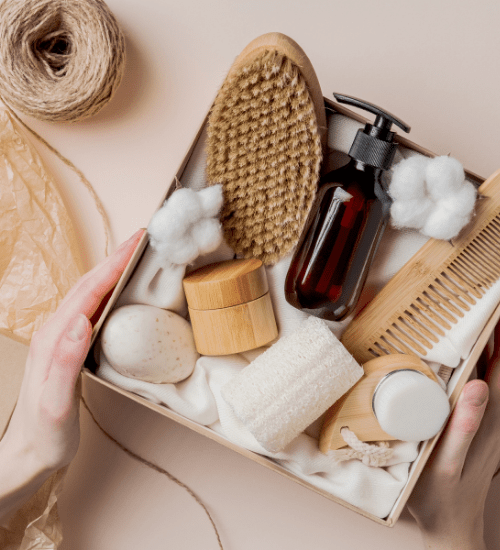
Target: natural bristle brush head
pixel 266 133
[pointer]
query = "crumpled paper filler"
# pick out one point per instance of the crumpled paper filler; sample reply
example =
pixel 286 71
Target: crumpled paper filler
pixel 39 263
pixel 39 258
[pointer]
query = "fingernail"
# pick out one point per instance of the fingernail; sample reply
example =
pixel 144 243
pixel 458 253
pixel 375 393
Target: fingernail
pixel 78 328
pixel 477 394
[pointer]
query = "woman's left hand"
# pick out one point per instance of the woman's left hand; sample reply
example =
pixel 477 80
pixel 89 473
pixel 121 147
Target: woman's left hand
pixel 44 432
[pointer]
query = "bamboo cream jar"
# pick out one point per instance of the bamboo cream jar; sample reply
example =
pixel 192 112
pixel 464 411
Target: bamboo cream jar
pixel 230 307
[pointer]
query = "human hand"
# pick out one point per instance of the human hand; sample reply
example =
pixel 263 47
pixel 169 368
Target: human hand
pixel 44 432
pixel 448 501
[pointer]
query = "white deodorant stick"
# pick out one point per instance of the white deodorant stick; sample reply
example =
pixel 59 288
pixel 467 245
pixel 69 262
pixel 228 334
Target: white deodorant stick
pixel 410 406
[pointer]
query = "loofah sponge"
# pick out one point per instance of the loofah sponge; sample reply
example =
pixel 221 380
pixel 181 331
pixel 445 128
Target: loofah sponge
pixel 265 135
pixel 292 384
pixel 431 195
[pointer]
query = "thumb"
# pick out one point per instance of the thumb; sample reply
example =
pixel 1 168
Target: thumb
pixel 68 359
pixel 461 429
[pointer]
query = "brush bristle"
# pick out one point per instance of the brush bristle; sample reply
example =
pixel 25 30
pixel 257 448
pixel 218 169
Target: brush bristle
pixel 265 149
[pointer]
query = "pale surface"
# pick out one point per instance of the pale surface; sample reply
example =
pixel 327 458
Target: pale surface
pixel 429 69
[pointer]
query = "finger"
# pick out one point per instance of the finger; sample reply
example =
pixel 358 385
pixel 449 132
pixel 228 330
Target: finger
pixel 88 293
pixel 463 424
pixel 484 453
pixel 67 360
pixel 496 342
pixel 128 246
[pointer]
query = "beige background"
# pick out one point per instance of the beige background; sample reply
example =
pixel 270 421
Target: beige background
pixel 435 64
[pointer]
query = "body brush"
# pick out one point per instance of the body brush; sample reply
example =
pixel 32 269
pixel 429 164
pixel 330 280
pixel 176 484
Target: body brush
pixel 266 132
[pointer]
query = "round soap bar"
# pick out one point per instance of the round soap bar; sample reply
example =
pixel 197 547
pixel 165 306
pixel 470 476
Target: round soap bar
pixel 149 343
pixel 410 406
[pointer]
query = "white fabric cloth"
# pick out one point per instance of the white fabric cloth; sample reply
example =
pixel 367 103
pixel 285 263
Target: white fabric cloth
pixel 198 398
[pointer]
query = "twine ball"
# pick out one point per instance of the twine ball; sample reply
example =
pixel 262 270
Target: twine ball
pixel 60 60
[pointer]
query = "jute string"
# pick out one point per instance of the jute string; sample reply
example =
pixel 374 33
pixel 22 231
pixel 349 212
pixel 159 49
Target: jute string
pixel 157 469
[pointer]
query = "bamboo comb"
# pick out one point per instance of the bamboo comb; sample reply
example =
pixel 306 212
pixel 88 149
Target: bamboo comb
pixel 434 289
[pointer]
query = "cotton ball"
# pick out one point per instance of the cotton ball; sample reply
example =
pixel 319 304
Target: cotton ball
pixel 411 213
pixel 176 215
pixel 184 251
pixel 207 234
pixel 408 179
pixel 178 212
pixel 188 203
pixel 211 199
pixel 462 201
pixel 443 224
pixel 444 177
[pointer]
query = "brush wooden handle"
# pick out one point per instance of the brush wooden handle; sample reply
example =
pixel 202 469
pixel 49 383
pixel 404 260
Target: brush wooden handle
pixel 354 409
pixel 436 287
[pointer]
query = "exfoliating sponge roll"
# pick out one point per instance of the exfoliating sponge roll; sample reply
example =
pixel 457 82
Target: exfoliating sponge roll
pixel 292 384
pixel 410 406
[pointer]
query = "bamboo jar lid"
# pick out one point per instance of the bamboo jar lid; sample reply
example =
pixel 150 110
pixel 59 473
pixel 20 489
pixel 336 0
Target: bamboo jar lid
pixel 230 307
pixel 225 284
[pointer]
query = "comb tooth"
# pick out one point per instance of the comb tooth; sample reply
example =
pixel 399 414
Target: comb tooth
pixel 474 275
pixel 491 251
pixel 380 349
pixel 426 309
pixel 495 237
pixel 443 302
pixel 495 227
pixel 375 354
pixel 448 281
pixel 425 321
pixel 402 335
pixel 413 332
pixel 445 373
pixel 388 344
pixel 492 244
pixel 471 273
pixel 398 343
pixel 478 264
pixel 455 271
pixel 453 298
pixel 436 305
pixel 484 258
pixel 463 280
pixel 420 329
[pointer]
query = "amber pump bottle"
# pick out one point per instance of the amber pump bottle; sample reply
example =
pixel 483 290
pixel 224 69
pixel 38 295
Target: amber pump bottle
pixel 344 227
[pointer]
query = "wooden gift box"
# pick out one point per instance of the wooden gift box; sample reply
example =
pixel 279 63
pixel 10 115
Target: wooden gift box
pixel 458 380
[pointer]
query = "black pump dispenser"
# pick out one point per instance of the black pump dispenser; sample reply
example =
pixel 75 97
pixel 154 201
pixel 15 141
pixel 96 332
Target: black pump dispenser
pixel 345 224
pixel 374 145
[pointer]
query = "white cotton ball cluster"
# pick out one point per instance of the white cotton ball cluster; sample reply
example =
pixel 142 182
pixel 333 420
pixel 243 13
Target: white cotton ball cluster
pixel 431 195
pixel 185 226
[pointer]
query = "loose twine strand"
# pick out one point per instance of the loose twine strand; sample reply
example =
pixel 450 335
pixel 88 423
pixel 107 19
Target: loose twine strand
pixel 157 469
